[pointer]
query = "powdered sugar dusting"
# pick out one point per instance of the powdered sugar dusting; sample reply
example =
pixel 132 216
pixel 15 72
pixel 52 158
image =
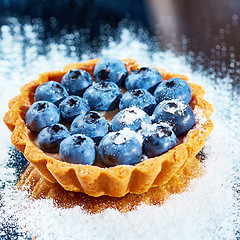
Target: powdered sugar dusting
pixel 200 119
pixel 125 135
pixel 146 127
pixel 139 137
pixel 149 129
pixel 120 139
pixel 174 106
pixel 130 115
pixel 210 208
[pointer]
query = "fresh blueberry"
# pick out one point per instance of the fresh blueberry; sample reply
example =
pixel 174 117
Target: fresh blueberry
pixel 103 96
pixel 91 124
pixel 131 118
pixel 158 139
pixel 77 149
pixel 140 98
pixel 110 70
pixel 50 137
pixel 71 107
pixel 143 78
pixel 118 148
pixel 77 81
pixel 175 88
pixel 42 114
pixel 51 91
pixel 176 113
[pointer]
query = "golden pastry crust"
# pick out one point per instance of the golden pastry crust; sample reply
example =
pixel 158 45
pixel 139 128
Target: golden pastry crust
pixel 115 181
pixel 40 188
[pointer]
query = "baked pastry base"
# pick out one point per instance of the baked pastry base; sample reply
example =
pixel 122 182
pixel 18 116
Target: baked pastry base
pixel 40 188
pixel 119 180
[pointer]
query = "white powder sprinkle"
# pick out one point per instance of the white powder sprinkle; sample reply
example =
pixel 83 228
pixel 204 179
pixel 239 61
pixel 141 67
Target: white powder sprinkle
pixel 126 134
pixel 130 115
pixel 149 129
pixel 121 138
pixel 139 137
pixel 208 210
pixel 200 119
pixel 174 106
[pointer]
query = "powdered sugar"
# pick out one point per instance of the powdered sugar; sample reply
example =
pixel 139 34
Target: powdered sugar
pixel 208 210
pixel 145 127
pixel 174 106
pixel 125 135
pixel 200 119
pixel 139 137
pixel 149 129
pixel 120 139
pixel 130 115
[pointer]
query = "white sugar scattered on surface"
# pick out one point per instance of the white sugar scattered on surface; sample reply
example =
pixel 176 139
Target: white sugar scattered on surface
pixel 131 114
pixel 178 108
pixel 129 134
pixel 200 119
pixel 125 135
pixel 139 137
pixel 120 139
pixel 149 129
pixel 208 210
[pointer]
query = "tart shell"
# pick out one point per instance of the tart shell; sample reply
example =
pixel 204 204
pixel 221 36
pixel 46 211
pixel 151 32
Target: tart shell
pixel 115 181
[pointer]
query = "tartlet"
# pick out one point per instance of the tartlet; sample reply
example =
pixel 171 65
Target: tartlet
pixel 97 180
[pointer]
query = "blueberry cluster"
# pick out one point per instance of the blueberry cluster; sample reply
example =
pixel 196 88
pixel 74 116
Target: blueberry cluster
pixel 152 114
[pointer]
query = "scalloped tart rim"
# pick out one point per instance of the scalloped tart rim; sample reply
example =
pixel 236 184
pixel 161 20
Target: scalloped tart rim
pixel 38 187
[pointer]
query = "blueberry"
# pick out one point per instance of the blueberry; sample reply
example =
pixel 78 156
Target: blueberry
pixel 143 78
pixel 42 114
pixel 140 98
pixel 110 70
pixel 103 96
pixel 158 139
pixel 51 91
pixel 176 113
pixel 77 81
pixel 77 149
pixel 50 137
pixel 71 107
pixel 131 118
pixel 118 148
pixel 91 124
pixel 175 88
